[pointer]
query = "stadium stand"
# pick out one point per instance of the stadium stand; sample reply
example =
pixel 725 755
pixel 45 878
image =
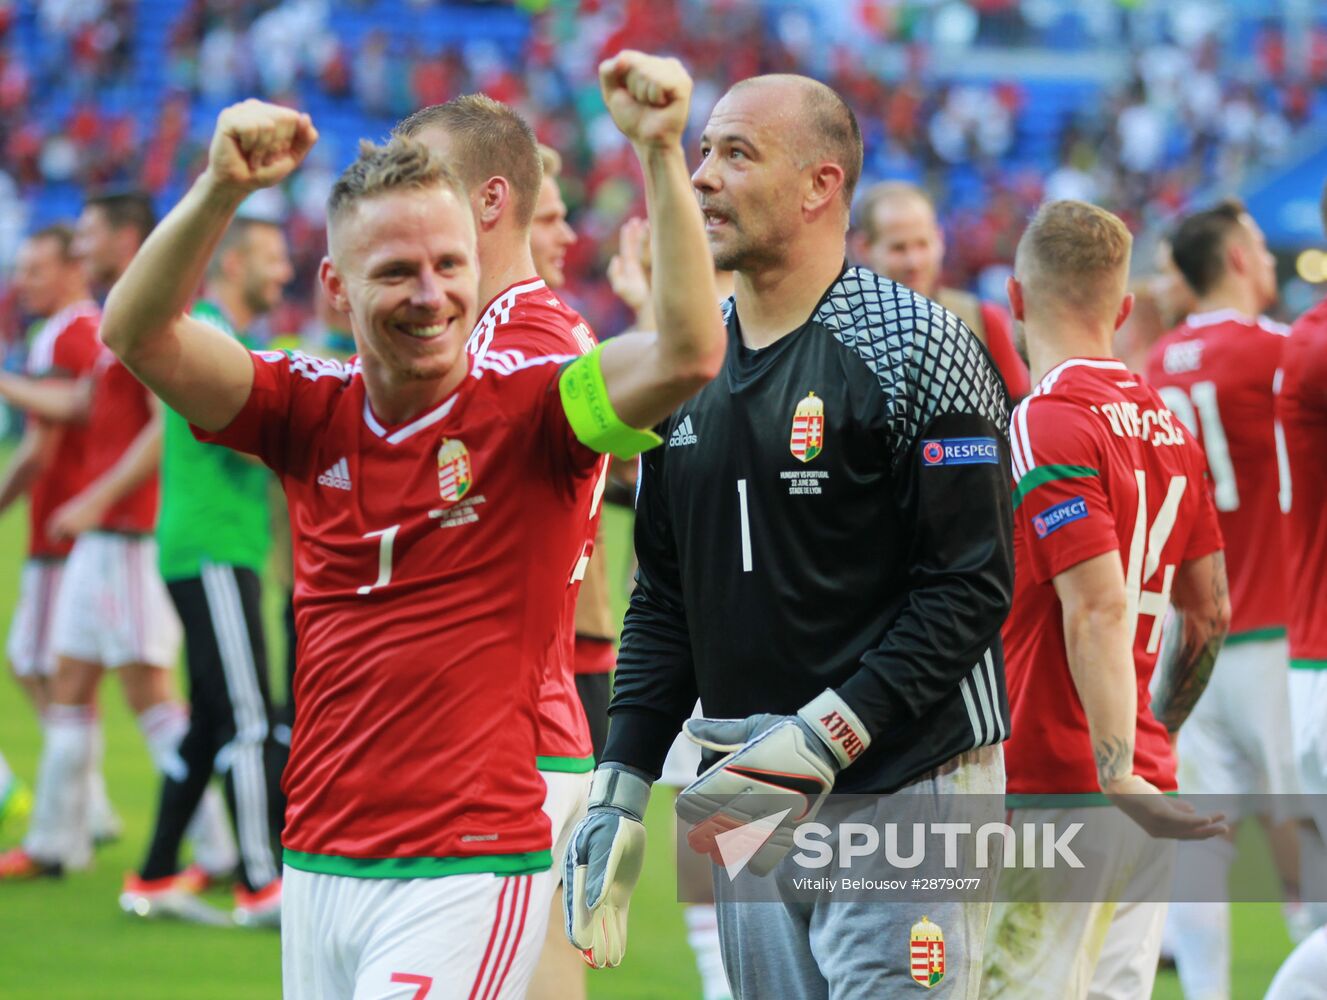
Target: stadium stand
pixel 1134 106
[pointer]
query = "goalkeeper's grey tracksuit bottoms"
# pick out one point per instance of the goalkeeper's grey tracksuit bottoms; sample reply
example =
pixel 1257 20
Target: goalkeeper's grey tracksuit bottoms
pixel 837 949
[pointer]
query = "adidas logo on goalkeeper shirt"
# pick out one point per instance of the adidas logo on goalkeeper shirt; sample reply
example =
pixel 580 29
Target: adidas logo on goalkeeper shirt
pixel 682 434
pixel 337 477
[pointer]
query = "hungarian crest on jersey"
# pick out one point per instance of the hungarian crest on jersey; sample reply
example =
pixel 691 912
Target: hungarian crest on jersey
pixel 455 473
pixel 808 437
pixel 926 953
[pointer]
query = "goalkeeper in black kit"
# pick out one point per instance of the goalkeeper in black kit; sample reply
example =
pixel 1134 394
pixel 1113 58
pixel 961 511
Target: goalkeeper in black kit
pixel 825 546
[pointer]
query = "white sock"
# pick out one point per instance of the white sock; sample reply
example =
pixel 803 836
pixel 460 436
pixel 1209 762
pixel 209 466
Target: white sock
pixel 209 832
pixel 163 726
pixel 6 778
pixel 703 936
pixel 59 830
pixel 1200 932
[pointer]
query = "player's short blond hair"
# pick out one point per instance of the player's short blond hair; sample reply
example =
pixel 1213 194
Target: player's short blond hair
pixel 551 160
pixel 487 138
pixel 402 164
pixel 1076 254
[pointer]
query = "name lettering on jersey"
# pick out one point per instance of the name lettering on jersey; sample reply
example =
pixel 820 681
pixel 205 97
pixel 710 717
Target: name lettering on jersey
pixel 683 434
pixel 465 512
pixel 804 482
pixel 1186 356
pixel 808 436
pixel 1128 419
pixel 1055 517
pixel 584 338
pixel 337 477
pixel 313 368
pixel 960 451
pixel 455 471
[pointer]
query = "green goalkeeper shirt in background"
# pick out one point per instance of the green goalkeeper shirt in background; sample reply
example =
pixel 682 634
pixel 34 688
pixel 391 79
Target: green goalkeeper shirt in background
pixel 213 501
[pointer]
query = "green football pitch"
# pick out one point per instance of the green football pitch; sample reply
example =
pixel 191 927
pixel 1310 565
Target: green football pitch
pixel 68 940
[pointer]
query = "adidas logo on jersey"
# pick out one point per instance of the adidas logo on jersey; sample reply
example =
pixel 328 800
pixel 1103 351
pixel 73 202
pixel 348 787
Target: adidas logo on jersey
pixel 337 477
pixel 682 434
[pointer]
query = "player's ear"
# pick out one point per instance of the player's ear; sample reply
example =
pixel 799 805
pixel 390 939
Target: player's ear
pixel 824 186
pixel 334 286
pixel 1014 289
pixel 1126 307
pixel 494 196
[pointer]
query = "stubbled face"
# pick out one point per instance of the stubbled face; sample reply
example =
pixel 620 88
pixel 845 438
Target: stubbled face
pixel 404 268
pixel 96 244
pixel 43 277
pixel 908 246
pixel 1262 263
pixel 550 236
pixel 748 179
pixel 266 268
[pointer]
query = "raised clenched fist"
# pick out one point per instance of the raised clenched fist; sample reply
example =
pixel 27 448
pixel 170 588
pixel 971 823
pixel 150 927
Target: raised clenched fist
pixel 648 96
pixel 257 144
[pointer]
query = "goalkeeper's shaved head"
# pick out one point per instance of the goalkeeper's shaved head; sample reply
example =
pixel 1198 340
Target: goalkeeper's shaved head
pixel 826 128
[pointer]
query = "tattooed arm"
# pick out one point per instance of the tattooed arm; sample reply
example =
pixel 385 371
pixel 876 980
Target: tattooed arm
pixel 1098 639
pixel 1193 639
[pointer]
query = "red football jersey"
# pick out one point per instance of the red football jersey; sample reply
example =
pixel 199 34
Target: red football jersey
pixel 527 320
pixel 65 347
pixel 431 563
pixel 121 408
pixel 1100 466
pixel 1215 372
pixel 1302 416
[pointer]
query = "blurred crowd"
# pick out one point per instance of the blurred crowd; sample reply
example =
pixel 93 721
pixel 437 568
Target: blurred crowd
pixel 1186 95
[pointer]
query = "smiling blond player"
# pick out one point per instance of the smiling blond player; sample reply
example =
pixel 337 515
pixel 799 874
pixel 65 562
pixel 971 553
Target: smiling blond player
pixel 431 566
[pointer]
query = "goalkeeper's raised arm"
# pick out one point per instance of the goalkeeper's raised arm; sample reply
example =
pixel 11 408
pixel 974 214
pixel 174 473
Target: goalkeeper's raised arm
pixel 198 371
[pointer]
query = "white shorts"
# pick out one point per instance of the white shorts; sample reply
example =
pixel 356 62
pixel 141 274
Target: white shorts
pixel 113 608
pixel 29 645
pixel 565 803
pixel 1234 742
pixel 458 937
pixel 1072 951
pixel 1308 724
pixel 682 765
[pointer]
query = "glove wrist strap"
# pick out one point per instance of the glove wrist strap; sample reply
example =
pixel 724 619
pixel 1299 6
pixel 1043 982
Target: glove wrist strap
pixel 620 788
pixel 837 725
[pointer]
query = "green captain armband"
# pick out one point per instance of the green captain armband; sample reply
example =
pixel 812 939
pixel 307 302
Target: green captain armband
pixel 590 412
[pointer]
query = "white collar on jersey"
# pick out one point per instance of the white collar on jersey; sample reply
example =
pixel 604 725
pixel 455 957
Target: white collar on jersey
pixel 1110 364
pixel 418 424
pixel 1217 316
pixel 1196 321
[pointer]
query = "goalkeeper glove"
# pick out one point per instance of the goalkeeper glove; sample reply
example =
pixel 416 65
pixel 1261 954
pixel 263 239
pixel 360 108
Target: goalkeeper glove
pixel 782 765
pixel 603 863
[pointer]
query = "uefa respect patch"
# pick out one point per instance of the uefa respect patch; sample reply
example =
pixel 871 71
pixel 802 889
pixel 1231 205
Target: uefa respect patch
pixel 960 451
pixel 1054 518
